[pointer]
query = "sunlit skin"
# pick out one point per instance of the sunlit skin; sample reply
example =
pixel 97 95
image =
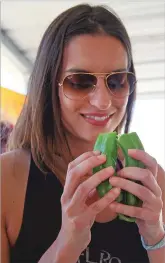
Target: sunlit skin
pixel 95 54
pixel 105 54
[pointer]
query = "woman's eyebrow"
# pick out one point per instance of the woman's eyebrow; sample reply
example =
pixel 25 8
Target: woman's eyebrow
pixel 120 70
pixel 77 70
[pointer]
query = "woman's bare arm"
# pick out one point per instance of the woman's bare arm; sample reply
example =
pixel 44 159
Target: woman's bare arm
pixel 14 175
pixel 159 254
pixel 4 239
pixel 4 243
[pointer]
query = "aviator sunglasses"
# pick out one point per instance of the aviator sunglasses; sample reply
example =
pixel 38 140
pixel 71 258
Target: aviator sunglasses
pixel 77 86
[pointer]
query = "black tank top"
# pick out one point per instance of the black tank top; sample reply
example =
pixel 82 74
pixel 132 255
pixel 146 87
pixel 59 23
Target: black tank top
pixel 113 242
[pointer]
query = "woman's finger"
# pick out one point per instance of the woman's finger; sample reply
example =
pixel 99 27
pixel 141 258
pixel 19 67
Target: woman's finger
pixel 137 212
pixel 104 202
pixel 87 218
pixel 83 190
pixel 136 189
pixel 76 174
pixel 143 175
pixel 82 158
pixel 145 158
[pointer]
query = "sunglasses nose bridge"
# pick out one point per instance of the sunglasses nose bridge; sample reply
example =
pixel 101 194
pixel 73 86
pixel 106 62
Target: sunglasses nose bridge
pixel 103 78
pixel 101 92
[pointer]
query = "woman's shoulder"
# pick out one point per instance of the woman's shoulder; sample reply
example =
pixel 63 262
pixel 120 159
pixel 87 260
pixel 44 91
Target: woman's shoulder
pixel 15 167
pixel 13 163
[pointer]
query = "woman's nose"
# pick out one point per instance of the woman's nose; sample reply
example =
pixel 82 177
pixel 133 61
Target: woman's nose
pixel 101 97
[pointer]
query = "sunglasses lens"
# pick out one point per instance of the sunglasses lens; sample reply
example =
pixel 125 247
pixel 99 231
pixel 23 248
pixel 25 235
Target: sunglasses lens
pixel 121 84
pixel 78 86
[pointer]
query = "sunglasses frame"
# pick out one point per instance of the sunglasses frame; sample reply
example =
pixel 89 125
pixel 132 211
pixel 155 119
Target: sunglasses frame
pixel 103 75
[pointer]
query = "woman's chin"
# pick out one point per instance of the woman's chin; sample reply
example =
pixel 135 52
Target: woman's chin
pixel 91 136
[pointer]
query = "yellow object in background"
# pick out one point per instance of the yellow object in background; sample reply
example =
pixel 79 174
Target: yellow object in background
pixel 11 104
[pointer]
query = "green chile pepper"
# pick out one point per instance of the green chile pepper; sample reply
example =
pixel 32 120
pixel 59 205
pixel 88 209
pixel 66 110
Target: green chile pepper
pixel 108 144
pixel 125 142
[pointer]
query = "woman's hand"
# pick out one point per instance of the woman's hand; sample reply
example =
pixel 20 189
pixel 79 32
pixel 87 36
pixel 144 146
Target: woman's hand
pixel 149 216
pixel 77 216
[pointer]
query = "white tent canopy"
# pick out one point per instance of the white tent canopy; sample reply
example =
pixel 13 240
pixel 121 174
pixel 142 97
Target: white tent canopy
pixel 24 22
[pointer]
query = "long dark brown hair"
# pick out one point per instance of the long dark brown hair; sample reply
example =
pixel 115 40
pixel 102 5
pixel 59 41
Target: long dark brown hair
pixel 39 127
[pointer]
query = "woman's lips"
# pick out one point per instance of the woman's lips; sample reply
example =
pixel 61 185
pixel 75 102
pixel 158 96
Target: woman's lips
pixel 97 121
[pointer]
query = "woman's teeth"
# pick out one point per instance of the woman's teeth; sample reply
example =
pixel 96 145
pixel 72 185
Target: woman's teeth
pixel 97 118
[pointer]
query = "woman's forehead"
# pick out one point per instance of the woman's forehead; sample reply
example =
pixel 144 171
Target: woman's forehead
pixel 97 53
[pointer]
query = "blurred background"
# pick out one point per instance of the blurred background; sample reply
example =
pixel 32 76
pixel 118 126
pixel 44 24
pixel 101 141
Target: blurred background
pixel 22 26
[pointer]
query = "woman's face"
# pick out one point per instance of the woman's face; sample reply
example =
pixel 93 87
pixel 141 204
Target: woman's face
pixel 94 54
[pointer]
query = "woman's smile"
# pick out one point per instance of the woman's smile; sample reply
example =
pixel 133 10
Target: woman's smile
pixel 97 119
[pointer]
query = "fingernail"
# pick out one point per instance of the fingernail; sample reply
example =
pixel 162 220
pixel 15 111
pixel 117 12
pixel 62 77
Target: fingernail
pixel 110 169
pixel 116 190
pixel 97 152
pixel 101 157
pixel 112 206
pixel 132 151
pixel 112 179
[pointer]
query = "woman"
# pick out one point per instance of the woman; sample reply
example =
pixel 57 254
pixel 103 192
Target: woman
pixel 82 84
